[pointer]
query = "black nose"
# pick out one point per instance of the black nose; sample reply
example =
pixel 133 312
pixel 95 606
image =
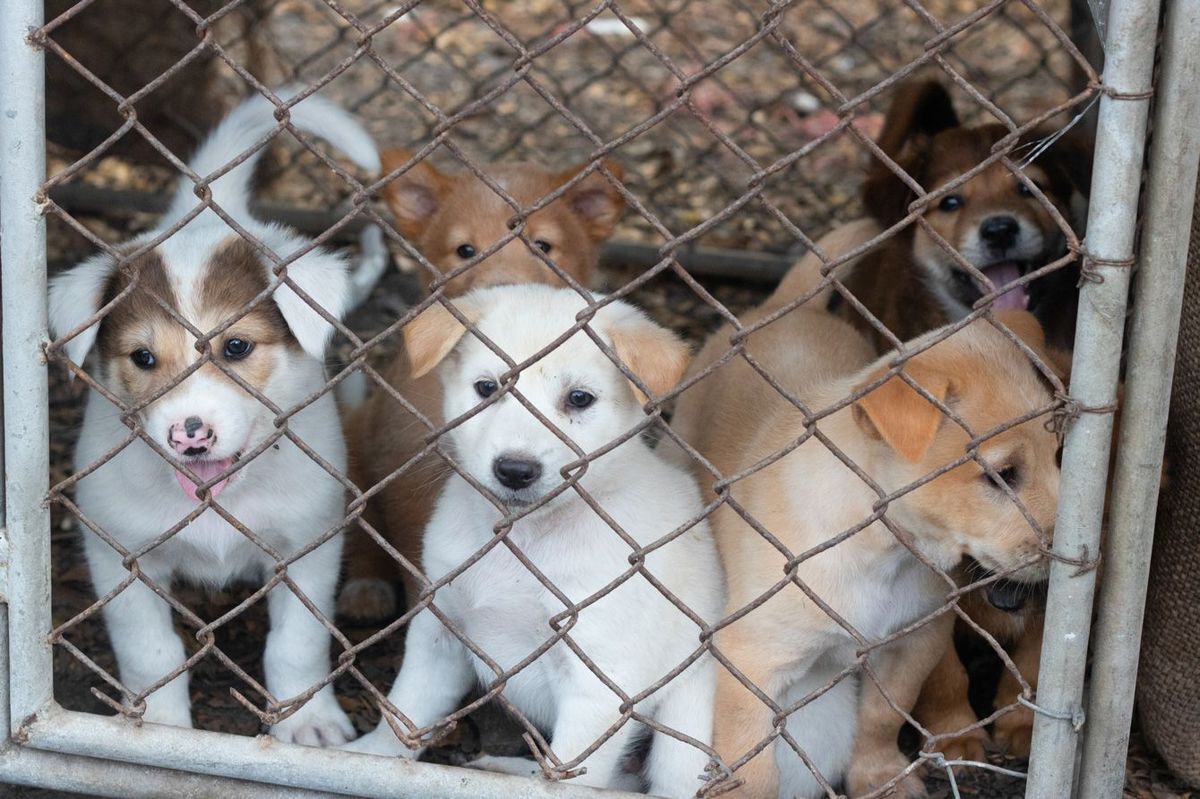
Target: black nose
pixel 192 424
pixel 516 473
pixel 1000 231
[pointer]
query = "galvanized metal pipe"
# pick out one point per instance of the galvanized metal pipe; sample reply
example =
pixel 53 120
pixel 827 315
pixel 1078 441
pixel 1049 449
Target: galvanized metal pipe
pixel 265 760
pixel 23 289
pixel 1158 298
pixel 89 777
pixel 1120 142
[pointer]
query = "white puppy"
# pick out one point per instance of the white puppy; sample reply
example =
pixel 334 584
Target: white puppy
pixel 207 431
pixel 633 633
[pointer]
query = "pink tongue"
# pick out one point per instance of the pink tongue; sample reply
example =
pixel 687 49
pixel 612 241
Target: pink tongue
pixel 1001 275
pixel 205 471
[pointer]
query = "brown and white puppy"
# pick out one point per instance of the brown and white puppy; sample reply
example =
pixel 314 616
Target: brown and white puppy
pixel 788 646
pixel 912 283
pixel 206 353
pixel 452 220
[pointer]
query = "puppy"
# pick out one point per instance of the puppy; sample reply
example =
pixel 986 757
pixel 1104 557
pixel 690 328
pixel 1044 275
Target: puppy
pixel 209 454
pixel 452 220
pixel 913 284
pixel 632 632
pixel 789 647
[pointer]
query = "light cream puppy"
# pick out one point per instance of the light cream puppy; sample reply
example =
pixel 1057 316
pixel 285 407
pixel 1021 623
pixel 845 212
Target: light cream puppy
pixel 789 646
pixel 626 625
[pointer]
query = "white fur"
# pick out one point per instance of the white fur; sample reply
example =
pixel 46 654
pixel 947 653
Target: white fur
pixel 282 495
pixel 634 634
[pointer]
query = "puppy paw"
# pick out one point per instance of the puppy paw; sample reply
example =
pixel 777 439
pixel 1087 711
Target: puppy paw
pixel 520 766
pixel 321 722
pixel 869 774
pixel 972 746
pixel 367 599
pixel 380 741
pixel 1014 732
pixel 170 713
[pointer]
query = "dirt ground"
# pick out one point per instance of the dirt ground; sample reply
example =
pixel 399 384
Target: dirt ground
pixel 686 169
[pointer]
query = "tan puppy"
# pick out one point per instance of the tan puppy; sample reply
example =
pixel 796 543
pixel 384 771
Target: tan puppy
pixel 788 646
pixel 452 219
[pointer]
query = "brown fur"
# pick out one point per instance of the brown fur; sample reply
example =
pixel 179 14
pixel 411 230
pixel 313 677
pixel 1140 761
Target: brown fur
pixel 735 419
pixel 922 134
pixel 232 278
pixel 438 212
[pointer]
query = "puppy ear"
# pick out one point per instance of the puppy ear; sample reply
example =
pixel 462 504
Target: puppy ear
pixel 921 108
pixel 74 296
pixel 433 334
pixel 885 196
pixel 896 413
pixel 323 276
pixel 920 111
pixel 656 355
pixel 1027 328
pixel 414 196
pixel 1025 325
pixel 1072 155
pixel 594 200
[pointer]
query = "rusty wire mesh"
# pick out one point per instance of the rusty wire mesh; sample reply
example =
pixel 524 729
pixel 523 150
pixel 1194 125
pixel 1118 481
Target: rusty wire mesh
pixel 716 155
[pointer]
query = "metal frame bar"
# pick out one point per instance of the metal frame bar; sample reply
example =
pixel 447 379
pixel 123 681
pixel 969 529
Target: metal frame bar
pixel 1158 299
pixel 26 402
pixel 1112 216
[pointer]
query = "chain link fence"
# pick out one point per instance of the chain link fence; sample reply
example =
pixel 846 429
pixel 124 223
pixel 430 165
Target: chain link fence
pixel 735 135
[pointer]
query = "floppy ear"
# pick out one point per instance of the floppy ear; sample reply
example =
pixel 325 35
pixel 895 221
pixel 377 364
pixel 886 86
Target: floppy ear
pixel 322 275
pixel 656 355
pixel 413 197
pixel 594 200
pixel 74 296
pixel 896 413
pixel 433 334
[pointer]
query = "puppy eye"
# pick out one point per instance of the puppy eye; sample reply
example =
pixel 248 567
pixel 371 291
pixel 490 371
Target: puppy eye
pixel 486 388
pixel 465 251
pixel 951 202
pixel 578 398
pixel 1009 475
pixel 143 359
pixel 237 348
pixel 1024 190
pixel 542 245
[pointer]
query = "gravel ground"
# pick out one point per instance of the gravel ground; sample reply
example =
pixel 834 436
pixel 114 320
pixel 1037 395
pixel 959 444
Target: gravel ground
pixel 761 107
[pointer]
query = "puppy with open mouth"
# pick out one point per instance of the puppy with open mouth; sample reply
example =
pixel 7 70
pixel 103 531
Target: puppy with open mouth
pixel 994 221
pixel 516 464
pixel 206 364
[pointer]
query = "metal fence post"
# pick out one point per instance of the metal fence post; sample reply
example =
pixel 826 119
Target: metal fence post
pixel 1158 298
pixel 23 286
pixel 1121 134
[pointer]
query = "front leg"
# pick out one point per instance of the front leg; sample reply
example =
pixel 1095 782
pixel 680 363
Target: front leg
pixel 142 634
pixel 901 667
pixel 297 651
pixel 582 717
pixel 944 707
pixel 742 720
pixel 1014 730
pixel 435 675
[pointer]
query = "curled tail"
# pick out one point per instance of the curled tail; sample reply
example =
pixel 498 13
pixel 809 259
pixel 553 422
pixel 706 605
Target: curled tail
pixel 251 121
